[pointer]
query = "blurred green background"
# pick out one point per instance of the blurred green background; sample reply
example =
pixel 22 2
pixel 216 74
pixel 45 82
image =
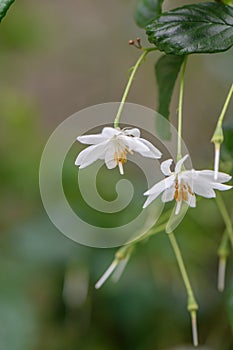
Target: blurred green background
pixel 58 57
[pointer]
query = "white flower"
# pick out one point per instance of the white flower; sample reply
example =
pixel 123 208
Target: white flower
pixel 112 145
pixel 182 185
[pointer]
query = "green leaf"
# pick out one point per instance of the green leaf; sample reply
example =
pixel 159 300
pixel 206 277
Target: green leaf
pixel 166 71
pixel 197 28
pixel 147 10
pixel 4 6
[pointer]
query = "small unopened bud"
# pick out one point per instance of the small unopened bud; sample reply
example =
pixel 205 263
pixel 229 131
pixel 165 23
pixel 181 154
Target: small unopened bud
pixel 139 42
pixel 120 269
pixel 118 265
pixel 136 44
pixel 218 137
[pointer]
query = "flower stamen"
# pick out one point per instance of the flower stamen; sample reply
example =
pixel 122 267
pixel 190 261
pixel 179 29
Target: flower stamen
pixel 181 191
pixel 121 158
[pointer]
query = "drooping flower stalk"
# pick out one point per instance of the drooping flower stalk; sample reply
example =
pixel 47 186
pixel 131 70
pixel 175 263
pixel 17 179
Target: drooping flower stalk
pixel 192 305
pixel 180 109
pixel 218 137
pixel 130 81
pixel 122 256
pixel 223 253
pixel 226 217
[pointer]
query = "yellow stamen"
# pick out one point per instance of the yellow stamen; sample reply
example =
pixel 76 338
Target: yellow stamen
pixel 121 158
pixel 181 191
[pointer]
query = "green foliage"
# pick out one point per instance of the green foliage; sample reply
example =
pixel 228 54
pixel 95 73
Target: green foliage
pixel 227 149
pixel 4 7
pixel 229 303
pixel 227 2
pixel 228 138
pixel 146 10
pixel 166 72
pixel 197 28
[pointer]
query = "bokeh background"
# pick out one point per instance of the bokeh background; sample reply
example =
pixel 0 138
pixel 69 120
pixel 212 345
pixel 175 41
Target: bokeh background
pixel 58 57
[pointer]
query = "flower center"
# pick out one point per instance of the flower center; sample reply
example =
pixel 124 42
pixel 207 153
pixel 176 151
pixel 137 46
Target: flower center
pixel 182 190
pixel 120 156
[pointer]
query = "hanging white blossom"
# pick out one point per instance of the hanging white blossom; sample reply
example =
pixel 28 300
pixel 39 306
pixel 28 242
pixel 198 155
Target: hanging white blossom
pixel 112 145
pixel 182 185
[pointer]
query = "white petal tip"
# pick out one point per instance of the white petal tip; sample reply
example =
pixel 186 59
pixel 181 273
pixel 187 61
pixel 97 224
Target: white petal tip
pixel 97 286
pixel 77 163
pixel 166 167
pixel 82 166
pixel 158 155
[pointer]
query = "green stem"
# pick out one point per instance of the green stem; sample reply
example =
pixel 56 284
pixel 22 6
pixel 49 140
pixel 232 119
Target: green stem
pixel 151 232
pixel 218 136
pixel 192 305
pixel 156 228
pixel 220 119
pixel 180 110
pixel 223 253
pixel 128 86
pixel 226 217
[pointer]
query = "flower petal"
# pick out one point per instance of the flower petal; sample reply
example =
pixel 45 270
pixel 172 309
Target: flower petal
pixel 91 139
pixel 109 132
pixel 132 132
pixel 221 187
pixel 157 189
pixel 180 163
pixel 133 144
pixel 191 200
pixel 109 158
pixel 168 194
pixel 203 188
pixel 152 152
pixel 150 199
pixel 161 186
pixel 90 154
pixel 166 167
pixel 202 182
pixel 209 175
